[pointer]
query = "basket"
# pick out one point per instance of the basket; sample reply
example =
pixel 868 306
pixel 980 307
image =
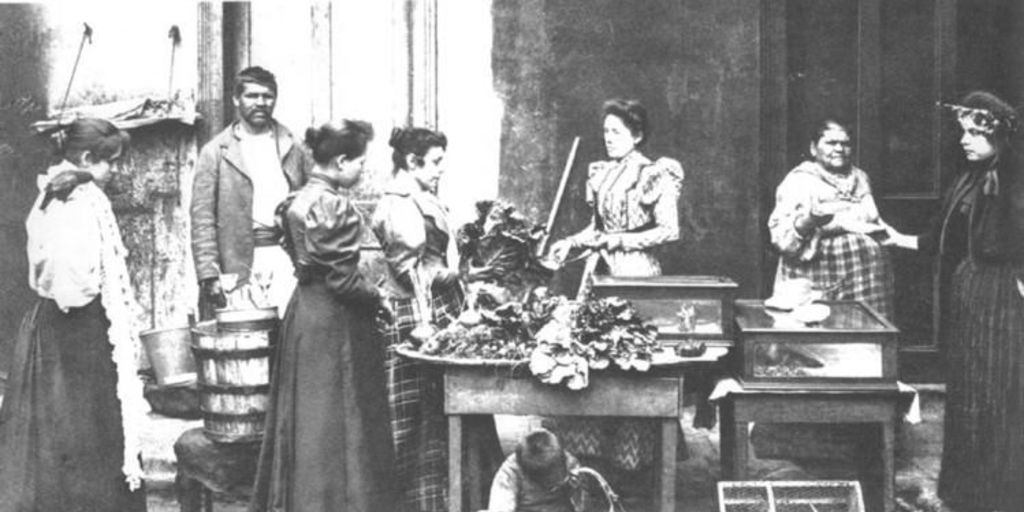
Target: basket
pixel 790 496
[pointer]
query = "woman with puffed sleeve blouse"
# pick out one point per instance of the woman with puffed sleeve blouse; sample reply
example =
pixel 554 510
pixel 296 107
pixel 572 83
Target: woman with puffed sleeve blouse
pixel 422 285
pixel 635 208
pixel 327 443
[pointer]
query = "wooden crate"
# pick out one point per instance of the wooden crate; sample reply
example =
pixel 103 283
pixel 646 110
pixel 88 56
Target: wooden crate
pixel 790 496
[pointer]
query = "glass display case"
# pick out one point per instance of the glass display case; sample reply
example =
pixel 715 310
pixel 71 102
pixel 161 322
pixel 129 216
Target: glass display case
pixel 685 308
pixel 844 344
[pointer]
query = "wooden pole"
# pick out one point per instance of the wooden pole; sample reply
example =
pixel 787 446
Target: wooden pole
pixel 210 50
pixel 542 248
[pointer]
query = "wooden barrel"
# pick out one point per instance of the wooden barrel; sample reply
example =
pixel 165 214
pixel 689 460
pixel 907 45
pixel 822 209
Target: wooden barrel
pixel 233 358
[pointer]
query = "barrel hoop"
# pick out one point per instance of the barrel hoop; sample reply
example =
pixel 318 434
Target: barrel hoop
pixel 226 389
pixel 221 437
pixel 249 353
pixel 220 416
pixel 248 325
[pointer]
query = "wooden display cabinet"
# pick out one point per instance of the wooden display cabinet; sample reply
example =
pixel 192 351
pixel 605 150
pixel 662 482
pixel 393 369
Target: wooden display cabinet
pixel 685 308
pixel 854 347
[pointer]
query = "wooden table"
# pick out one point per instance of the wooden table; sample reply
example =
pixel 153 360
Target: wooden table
pixel 472 390
pixel 744 406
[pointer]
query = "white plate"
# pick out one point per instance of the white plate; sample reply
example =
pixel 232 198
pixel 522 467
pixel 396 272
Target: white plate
pixel 811 313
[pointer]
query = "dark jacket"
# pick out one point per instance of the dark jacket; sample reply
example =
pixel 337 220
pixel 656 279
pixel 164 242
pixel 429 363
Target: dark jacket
pixel 323 234
pixel 988 202
pixel 222 237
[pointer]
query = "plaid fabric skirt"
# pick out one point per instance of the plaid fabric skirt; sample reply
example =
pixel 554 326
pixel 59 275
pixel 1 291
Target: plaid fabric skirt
pixel 983 445
pixel 850 266
pixel 416 405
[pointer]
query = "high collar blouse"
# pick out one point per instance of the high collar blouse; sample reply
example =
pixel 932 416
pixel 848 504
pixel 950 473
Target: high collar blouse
pixel 324 231
pixel 634 201
pixel 412 227
pixel 64 250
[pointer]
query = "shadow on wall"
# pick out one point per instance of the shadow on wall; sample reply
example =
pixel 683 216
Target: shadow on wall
pixel 23 155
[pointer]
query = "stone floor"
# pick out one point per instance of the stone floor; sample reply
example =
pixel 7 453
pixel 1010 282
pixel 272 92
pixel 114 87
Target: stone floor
pixel 917 459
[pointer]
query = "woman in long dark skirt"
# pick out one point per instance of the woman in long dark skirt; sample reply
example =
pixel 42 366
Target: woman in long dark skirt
pixel 327 445
pixel 412 227
pixel 980 236
pixel 70 418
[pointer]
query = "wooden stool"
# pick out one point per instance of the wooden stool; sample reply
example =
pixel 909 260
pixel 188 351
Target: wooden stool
pixel 206 467
pixel 741 407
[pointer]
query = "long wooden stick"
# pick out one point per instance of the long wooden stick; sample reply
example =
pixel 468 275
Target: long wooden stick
pixel 587 279
pixel 86 36
pixel 542 248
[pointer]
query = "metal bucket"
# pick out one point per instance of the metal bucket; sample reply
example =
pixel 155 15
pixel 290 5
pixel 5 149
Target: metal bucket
pixel 233 357
pixel 168 351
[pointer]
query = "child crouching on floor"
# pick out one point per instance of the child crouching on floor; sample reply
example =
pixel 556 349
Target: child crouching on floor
pixel 538 477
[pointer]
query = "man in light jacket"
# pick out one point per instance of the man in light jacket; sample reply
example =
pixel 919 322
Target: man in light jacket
pixel 243 173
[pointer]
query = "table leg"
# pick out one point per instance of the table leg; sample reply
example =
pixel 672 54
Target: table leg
pixel 888 465
pixel 667 477
pixel 733 442
pixel 454 463
pixel 473 457
pixel 190 493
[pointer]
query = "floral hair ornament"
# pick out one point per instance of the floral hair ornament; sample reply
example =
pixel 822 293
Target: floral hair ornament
pixel 984 120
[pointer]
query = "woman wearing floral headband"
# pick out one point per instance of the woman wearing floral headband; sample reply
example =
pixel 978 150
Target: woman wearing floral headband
pixel 980 238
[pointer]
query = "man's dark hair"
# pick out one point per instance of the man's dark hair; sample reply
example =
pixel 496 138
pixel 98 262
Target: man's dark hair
pixel 255 75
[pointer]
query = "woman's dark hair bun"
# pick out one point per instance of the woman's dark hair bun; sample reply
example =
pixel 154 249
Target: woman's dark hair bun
pixel 313 135
pixel 395 140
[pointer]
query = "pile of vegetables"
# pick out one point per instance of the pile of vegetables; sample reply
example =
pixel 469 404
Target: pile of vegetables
pixel 504 241
pixel 593 334
pixel 494 329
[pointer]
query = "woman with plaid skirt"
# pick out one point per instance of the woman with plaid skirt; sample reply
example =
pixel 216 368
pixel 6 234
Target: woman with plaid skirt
pixel 979 238
pixel 412 227
pixel 824 222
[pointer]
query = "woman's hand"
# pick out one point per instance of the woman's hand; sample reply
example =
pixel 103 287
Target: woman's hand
pixel 894 238
pixel 445 277
pixel 560 250
pixel 1020 287
pixel 819 214
pixel 385 314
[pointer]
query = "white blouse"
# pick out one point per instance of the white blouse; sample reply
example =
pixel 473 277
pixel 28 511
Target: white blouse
pixel 64 245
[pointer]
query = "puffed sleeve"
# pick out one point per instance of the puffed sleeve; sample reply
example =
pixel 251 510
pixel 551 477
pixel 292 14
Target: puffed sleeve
pixel 659 187
pixel 64 251
pixel 398 225
pixel 333 231
pixel 793 199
